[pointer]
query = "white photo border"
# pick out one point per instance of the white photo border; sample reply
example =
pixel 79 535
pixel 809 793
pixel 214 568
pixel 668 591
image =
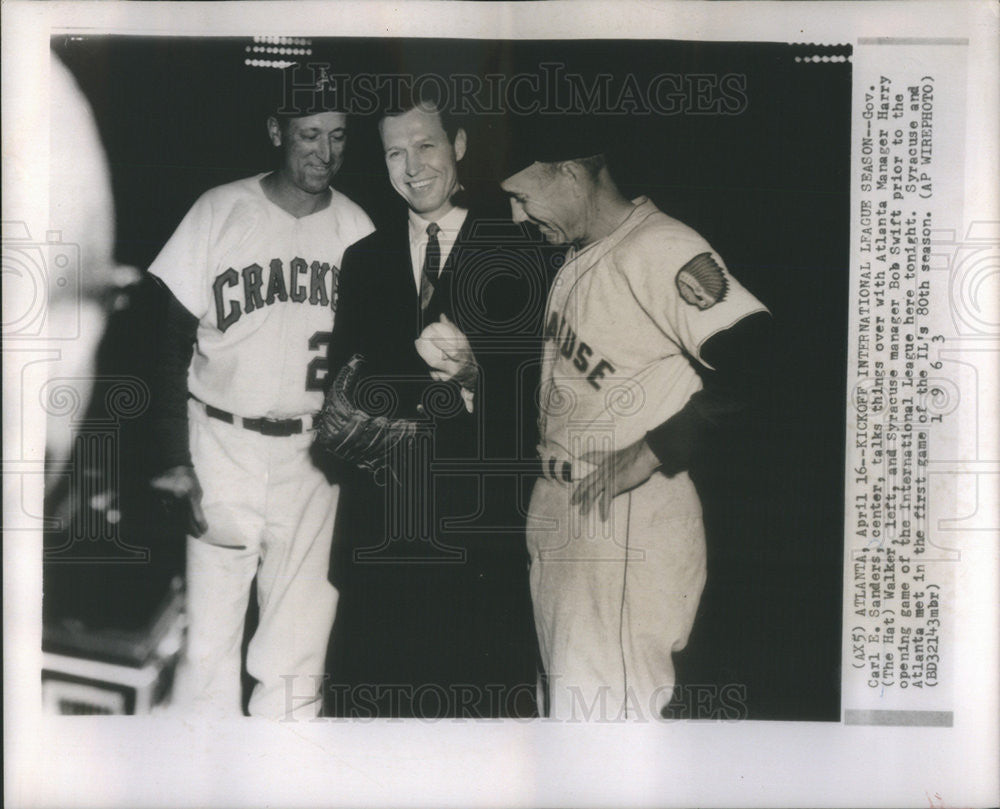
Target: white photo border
pixel 144 762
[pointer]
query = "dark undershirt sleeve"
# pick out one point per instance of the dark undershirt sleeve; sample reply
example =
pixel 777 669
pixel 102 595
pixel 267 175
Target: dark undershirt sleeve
pixel 740 356
pixel 170 386
pixel 346 327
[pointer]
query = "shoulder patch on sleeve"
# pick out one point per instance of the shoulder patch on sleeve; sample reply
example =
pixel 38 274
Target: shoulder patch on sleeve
pixel 701 281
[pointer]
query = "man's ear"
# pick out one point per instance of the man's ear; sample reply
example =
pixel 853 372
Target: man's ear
pixel 460 144
pixel 576 174
pixel 273 130
pixel 570 169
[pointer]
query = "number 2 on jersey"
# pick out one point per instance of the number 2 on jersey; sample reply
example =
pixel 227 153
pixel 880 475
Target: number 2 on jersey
pixel 318 367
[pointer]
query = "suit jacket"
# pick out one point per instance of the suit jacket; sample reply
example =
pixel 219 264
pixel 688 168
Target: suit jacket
pixel 430 559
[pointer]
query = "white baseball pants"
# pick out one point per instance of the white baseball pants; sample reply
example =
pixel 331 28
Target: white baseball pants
pixel 614 600
pixel 270 514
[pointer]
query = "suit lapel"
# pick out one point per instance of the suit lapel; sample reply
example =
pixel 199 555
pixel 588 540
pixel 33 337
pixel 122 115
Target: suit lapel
pixel 395 276
pixel 443 298
pixel 456 249
pixel 398 245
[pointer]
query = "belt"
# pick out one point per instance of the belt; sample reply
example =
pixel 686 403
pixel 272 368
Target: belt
pixel 275 428
pixel 559 466
pixel 554 469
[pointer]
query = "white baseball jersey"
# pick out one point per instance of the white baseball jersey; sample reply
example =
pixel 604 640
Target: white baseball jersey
pixel 614 599
pixel 262 284
pixel 624 314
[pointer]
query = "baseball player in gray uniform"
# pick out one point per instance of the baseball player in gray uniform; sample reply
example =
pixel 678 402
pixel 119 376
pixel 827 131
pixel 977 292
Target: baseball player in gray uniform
pixel 252 272
pixel 615 530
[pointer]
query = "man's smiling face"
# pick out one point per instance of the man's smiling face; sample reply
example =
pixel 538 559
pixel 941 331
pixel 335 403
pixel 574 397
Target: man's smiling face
pixel 312 149
pixel 422 161
pixel 544 195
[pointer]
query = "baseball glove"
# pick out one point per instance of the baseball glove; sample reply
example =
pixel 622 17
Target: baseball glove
pixel 349 432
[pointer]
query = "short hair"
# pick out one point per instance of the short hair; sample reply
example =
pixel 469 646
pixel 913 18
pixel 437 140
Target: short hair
pixel 410 100
pixel 283 121
pixel 592 164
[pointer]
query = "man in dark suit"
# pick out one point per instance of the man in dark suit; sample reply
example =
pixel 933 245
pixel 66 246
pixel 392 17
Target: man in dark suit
pixel 434 617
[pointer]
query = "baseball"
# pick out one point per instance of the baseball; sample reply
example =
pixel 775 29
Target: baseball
pixel 441 346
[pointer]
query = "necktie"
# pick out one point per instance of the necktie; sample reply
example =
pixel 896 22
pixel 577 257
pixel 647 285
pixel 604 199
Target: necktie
pixel 432 265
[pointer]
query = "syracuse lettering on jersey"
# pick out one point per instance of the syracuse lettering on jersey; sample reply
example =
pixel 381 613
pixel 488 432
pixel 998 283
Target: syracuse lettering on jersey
pixel 311 283
pixel 560 332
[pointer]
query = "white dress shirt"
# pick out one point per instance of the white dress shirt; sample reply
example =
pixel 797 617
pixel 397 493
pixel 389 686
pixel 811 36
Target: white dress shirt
pixel 450 224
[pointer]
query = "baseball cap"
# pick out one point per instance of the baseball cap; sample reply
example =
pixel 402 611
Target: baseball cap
pixel 551 139
pixel 303 89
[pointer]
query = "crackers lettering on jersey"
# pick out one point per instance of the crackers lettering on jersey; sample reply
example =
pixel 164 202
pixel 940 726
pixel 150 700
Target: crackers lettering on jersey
pixel 701 281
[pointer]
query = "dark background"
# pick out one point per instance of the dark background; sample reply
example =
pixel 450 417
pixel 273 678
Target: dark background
pixel 768 188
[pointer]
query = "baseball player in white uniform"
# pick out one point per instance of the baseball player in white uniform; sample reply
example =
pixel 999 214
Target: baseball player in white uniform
pixel 615 528
pixel 252 269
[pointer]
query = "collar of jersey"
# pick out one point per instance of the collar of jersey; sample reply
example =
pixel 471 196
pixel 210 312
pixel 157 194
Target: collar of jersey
pixel 264 196
pixel 643 208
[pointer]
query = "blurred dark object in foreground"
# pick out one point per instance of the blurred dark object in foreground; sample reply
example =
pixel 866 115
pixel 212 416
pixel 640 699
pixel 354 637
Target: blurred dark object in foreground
pixel 113 568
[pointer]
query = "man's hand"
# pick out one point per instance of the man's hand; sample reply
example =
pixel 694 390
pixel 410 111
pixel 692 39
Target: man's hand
pixel 179 489
pixel 446 350
pixel 617 472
